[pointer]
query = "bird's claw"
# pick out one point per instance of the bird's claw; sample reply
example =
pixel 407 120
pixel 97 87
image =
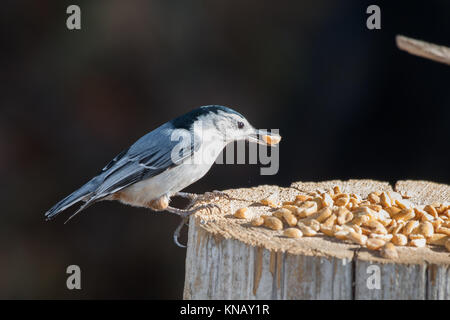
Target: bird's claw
pixel 176 233
pixel 209 207
pixel 215 194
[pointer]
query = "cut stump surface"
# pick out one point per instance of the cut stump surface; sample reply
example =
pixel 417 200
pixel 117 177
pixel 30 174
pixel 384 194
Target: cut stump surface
pixel 227 258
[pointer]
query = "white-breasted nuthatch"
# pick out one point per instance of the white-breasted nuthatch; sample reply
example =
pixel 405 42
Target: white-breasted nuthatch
pixel 165 161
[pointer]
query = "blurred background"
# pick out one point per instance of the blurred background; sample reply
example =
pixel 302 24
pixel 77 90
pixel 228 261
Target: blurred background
pixel 347 102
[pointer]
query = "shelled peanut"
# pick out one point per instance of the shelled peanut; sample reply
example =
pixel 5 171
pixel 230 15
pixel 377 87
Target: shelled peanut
pixel 381 221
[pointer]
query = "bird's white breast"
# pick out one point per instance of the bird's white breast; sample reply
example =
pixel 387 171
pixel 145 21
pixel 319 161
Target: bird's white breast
pixel 174 179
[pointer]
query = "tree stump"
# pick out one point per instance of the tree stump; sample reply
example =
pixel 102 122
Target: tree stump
pixel 227 258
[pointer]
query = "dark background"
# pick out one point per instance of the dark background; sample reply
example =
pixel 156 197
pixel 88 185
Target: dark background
pixel 348 103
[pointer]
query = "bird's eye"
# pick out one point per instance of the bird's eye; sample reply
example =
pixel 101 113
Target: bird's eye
pixel 240 125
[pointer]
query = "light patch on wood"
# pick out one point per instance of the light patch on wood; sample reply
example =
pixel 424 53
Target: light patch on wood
pixel 258 269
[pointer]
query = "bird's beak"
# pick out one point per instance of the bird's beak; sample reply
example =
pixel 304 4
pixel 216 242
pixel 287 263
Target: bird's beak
pixel 264 137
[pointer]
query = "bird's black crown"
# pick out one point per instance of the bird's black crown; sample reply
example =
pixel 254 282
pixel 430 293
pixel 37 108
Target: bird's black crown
pixel 185 121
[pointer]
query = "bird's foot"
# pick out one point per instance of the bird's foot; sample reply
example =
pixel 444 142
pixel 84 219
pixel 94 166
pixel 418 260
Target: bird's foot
pixel 184 214
pixel 207 196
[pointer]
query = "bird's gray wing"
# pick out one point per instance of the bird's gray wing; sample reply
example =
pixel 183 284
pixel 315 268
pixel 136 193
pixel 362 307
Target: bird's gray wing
pixel 154 153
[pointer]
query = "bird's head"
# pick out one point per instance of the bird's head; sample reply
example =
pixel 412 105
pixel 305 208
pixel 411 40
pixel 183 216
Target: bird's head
pixel 219 122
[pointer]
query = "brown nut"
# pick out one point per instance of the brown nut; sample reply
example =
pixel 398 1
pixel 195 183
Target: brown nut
pixel 327 201
pixel 290 219
pixel 375 244
pixel 357 238
pixel 256 222
pixel 426 229
pixel 393 210
pixel 307 208
pixel 341 199
pixel 330 221
pixel 374 198
pixel 268 202
pixel 410 226
pixel 404 215
pixel 389 251
pixel 431 210
pixel 385 201
pixel 385 237
pixel 241 213
pixel 312 223
pixel 293 233
pixel 443 230
pixel 327 230
pixel 419 243
pixel 344 215
pixel 341 235
pixel 273 223
pixel 307 231
pixel 302 198
pixel 438 239
pixel 336 190
pixel 323 214
pixel 400 239
pixel 272 139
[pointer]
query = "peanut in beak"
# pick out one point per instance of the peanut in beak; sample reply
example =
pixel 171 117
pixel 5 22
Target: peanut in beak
pixel 271 140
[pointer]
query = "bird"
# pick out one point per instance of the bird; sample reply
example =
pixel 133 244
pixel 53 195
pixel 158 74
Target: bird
pixel 163 162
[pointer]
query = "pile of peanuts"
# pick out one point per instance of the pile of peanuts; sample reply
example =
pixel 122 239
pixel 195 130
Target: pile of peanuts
pixel 381 222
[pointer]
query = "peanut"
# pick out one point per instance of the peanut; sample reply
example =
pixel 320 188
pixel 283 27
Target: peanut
pixel 341 235
pixel 376 226
pixel 313 224
pixel 307 231
pixel 385 201
pixel 327 201
pixel 293 233
pixel 374 198
pixel 327 230
pixel 419 243
pixel 415 236
pixel 405 215
pixel 273 223
pixel 271 140
pixel 389 251
pixel 336 190
pixel 385 237
pixel 323 214
pixel 400 239
pixel 357 238
pixel 302 198
pixel 256 222
pixel 426 229
pixel 307 208
pixel 410 226
pixel 290 219
pixel 341 200
pixel 360 220
pixel 375 244
pixel 393 210
pixel 268 202
pixel 343 216
pixel 330 221
pixel 431 210
pixel 438 239
pixel 241 213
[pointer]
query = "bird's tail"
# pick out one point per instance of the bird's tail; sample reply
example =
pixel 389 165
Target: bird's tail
pixel 82 194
